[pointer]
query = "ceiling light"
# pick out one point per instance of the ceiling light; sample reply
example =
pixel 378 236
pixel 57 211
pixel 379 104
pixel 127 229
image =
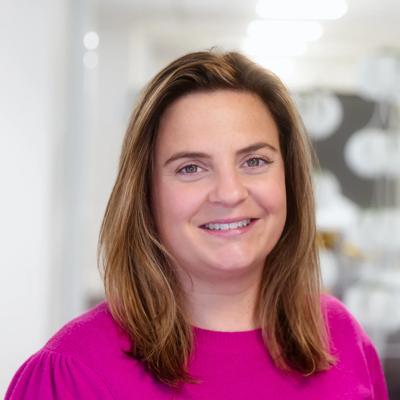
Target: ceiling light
pixel 285 30
pixel 91 40
pixel 305 9
pixel 272 47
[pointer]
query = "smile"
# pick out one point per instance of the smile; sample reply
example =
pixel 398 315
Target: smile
pixel 226 227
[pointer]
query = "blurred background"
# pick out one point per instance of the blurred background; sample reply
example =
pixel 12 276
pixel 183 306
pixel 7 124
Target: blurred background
pixel 70 72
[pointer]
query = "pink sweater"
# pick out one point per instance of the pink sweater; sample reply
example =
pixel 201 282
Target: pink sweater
pixel 86 360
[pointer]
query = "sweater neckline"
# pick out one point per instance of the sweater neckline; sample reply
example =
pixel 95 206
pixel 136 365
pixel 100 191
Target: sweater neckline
pixel 228 341
pixel 209 332
pixel 231 343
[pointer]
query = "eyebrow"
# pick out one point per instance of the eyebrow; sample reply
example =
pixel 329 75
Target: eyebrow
pixel 191 154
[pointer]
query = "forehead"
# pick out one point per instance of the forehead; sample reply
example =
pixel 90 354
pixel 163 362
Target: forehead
pixel 216 120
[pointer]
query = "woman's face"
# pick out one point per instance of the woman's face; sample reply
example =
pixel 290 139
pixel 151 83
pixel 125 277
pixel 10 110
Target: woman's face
pixel 219 196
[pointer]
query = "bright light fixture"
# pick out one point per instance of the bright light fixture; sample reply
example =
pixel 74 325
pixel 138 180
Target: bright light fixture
pixel 304 9
pixel 272 47
pixel 91 40
pixel 366 152
pixel 306 31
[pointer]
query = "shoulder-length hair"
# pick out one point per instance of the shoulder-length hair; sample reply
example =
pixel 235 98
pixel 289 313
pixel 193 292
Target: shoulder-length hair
pixel 142 290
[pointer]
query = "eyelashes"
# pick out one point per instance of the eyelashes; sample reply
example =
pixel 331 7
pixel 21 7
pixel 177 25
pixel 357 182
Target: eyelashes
pixel 252 163
pixel 255 162
pixel 189 169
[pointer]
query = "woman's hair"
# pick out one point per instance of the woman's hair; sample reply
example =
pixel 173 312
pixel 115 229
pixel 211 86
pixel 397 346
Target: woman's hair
pixel 142 290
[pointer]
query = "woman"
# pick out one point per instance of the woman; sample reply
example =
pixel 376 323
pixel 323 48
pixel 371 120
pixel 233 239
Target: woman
pixel 210 259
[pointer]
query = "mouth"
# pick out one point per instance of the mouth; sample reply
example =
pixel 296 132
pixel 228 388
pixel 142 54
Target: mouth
pixel 228 226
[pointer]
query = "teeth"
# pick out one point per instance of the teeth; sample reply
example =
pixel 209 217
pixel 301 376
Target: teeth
pixel 225 227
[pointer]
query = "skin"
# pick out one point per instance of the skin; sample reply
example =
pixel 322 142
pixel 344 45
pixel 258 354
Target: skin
pixel 217 159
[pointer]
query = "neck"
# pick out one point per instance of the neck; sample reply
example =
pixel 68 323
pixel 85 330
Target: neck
pixel 224 305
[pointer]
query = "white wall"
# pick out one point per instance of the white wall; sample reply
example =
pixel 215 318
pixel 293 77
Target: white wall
pixel 33 92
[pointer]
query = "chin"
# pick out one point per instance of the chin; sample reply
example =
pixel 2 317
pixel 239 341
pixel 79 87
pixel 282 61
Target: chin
pixel 234 265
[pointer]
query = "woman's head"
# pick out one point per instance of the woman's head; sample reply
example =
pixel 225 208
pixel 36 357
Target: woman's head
pixel 141 284
pixel 218 189
pixel 208 72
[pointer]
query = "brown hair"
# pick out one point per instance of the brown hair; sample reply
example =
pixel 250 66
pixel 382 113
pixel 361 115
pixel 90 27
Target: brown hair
pixel 142 289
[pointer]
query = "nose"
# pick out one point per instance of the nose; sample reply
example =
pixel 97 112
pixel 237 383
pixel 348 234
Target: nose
pixel 228 189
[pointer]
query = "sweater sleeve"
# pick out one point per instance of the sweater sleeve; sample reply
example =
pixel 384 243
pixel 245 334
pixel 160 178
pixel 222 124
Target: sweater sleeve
pixel 376 372
pixel 48 375
pixel 350 338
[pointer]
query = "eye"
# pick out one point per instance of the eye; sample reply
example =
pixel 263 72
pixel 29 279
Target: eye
pixel 255 162
pixel 189 169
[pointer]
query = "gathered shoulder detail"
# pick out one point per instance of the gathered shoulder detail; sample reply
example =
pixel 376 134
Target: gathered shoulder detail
pixel 49 375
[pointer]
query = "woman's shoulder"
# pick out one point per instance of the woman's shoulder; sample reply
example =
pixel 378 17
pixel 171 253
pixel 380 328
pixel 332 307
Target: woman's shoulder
pixel 346 334
pixel 333 307
pixel 77 362
pixel 340 321
pixel 94 329
pixel 351 346
pixel 337 313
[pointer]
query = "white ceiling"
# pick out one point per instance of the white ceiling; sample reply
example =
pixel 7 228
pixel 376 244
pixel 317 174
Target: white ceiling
pixel 172 27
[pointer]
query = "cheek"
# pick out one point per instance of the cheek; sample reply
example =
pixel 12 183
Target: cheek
pixel 176 203
pixel 272 197
pixel 278 198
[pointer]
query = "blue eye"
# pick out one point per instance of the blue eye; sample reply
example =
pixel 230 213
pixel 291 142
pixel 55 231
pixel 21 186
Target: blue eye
pixel 255 162
pixel 188 169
